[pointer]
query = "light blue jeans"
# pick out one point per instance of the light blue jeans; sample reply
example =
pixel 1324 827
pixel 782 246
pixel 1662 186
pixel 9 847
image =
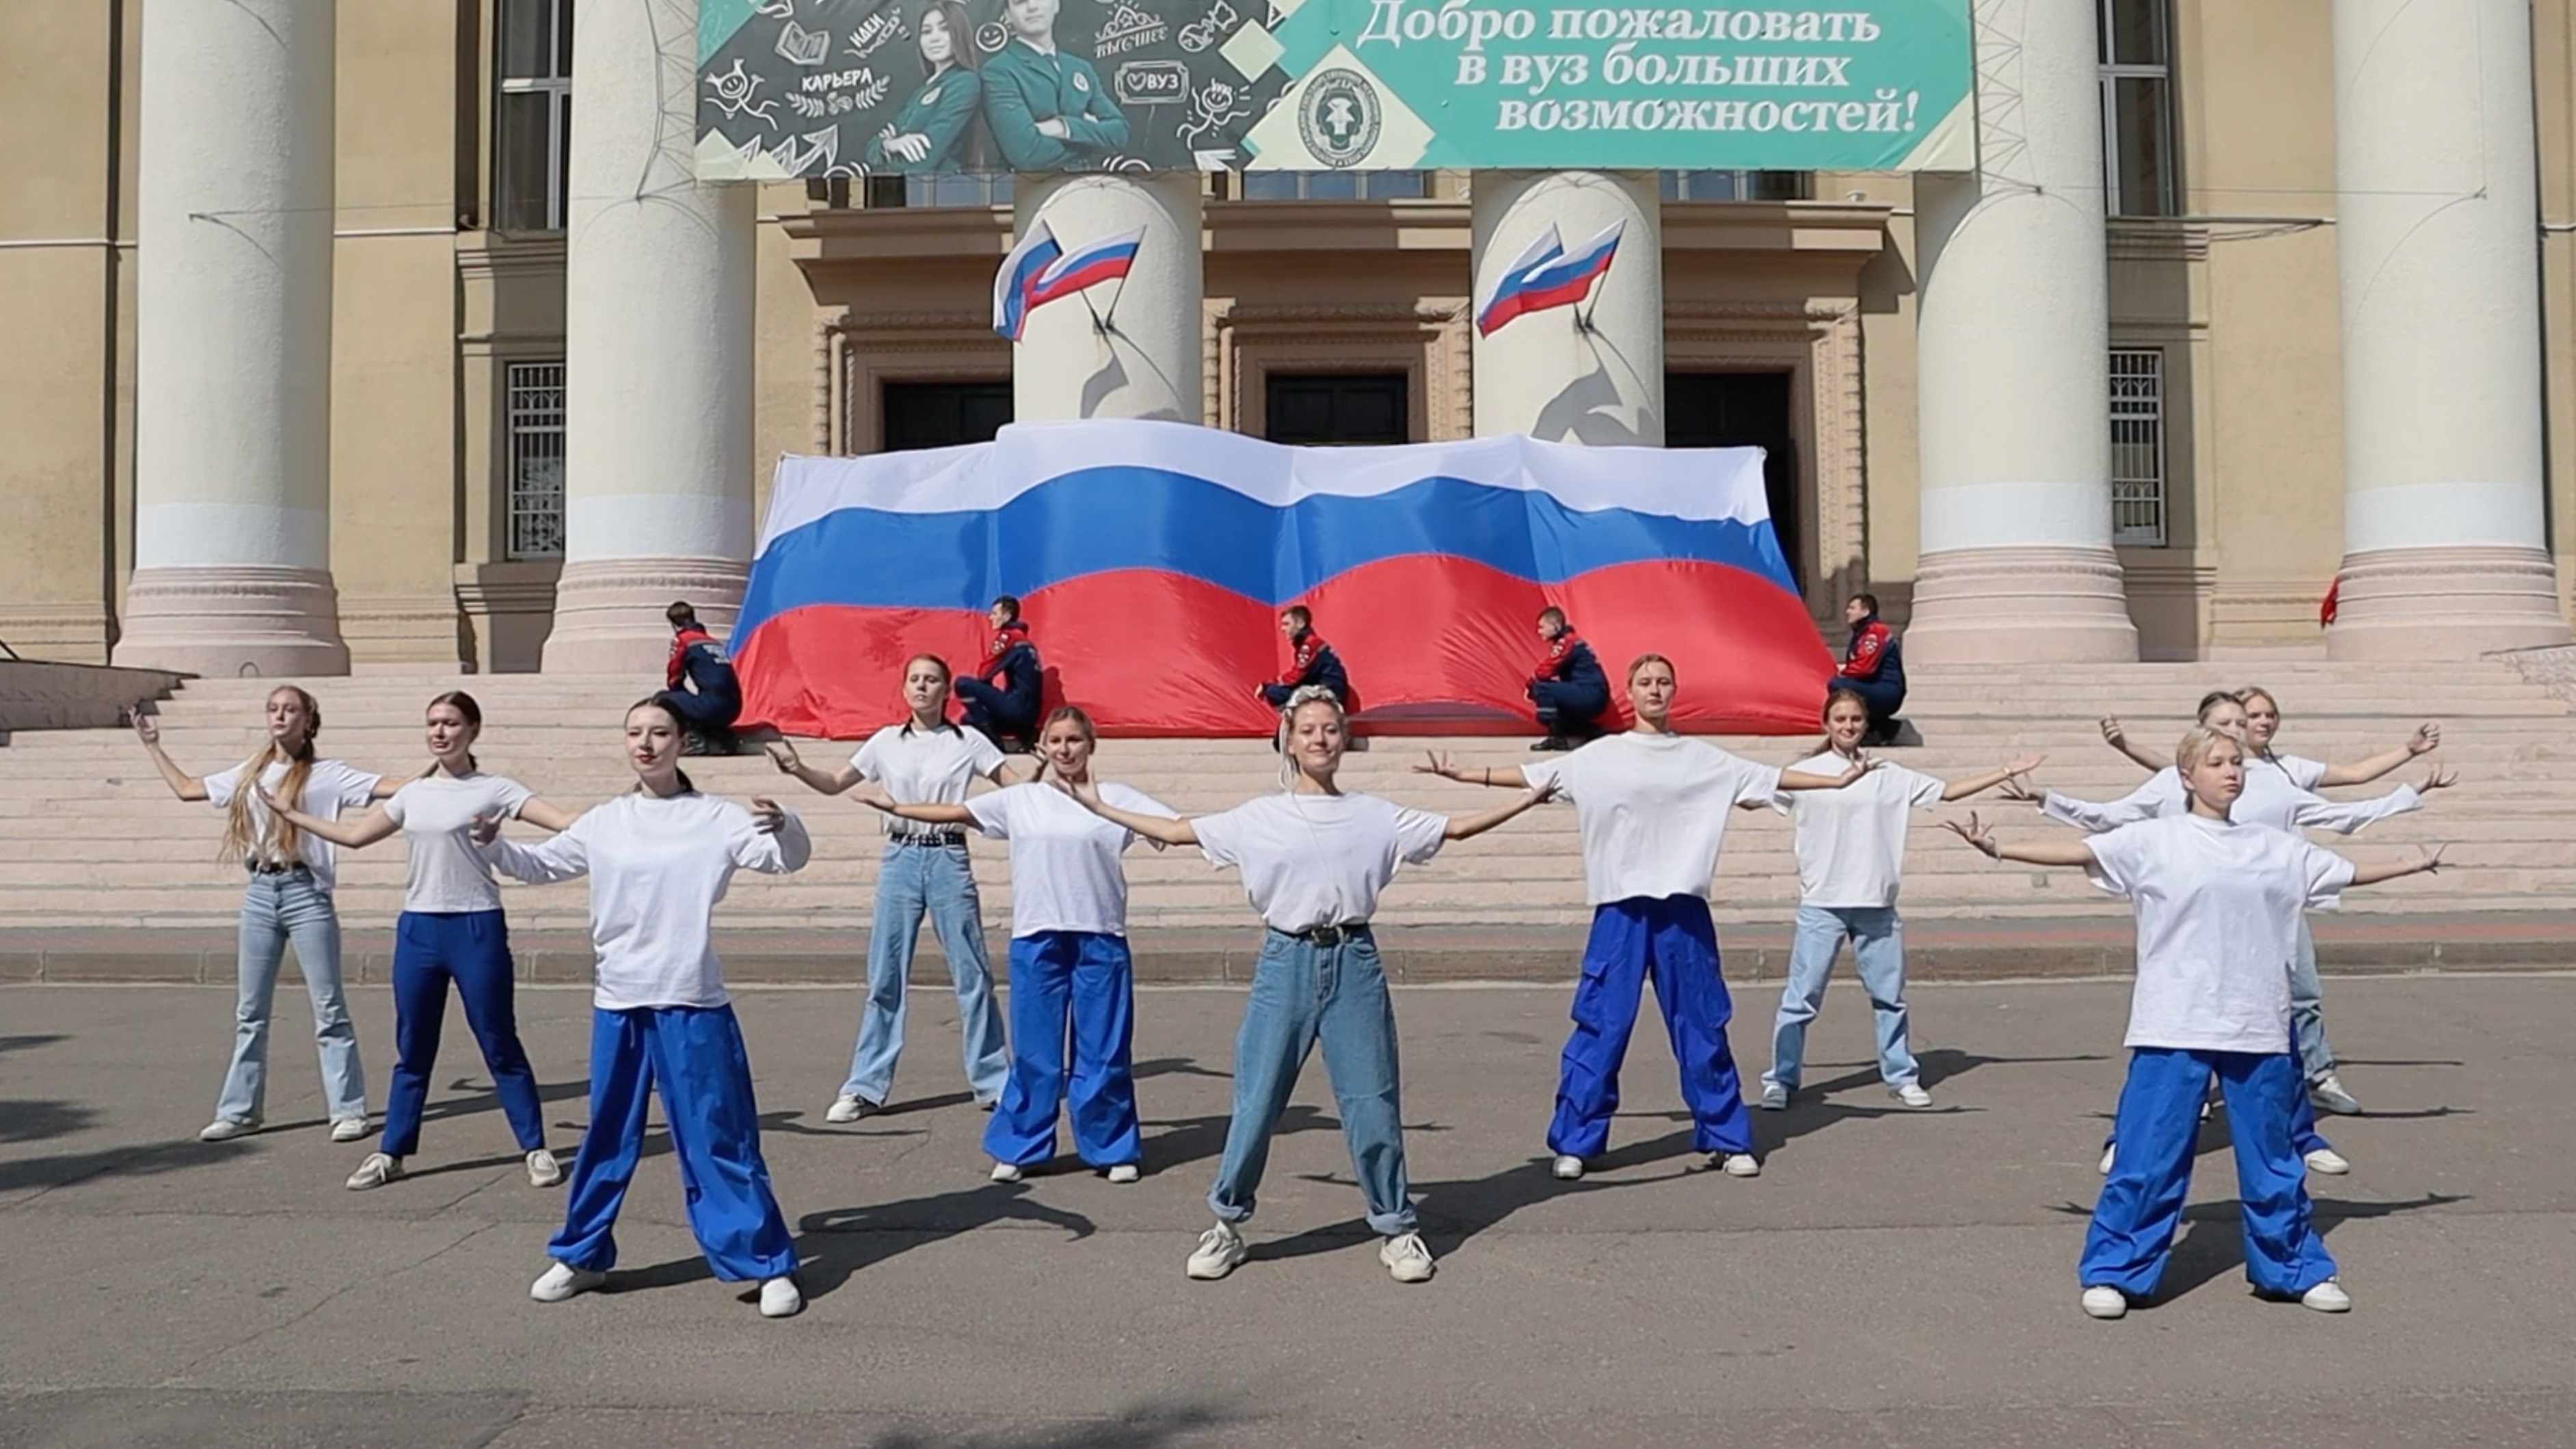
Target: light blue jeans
pixel 2307 1010
pixel 1878 946
pixel 275 910
pixel 1304 994
pixel 914 880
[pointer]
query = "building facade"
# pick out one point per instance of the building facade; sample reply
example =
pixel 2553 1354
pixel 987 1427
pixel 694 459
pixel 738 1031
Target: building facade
pixel 437 356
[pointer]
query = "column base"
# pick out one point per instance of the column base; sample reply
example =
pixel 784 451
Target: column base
pixel 2444 603
pixel 609 613
pixel 235 622
pixel 2020 606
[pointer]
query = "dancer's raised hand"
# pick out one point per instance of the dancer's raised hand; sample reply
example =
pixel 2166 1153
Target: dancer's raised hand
pixel 484 830
pixel 2437 778
pixel 766 816
pixel 783 755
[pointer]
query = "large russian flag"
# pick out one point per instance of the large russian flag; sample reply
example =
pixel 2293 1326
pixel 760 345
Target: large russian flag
pixel 1152 560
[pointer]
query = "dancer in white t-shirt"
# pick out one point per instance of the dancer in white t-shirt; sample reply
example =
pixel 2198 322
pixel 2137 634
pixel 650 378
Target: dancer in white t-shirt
pixel 1851 857
pixel 451 930
pixel 659 858
pixel 1652 807
pixel 1069 964
pixel 1314 858
pixel 289 898
pixel 2218 905
pixel 924 870
pixel 2275 797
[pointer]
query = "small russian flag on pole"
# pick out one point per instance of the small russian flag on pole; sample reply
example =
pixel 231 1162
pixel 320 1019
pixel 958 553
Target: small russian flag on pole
pixel 1015 284
pixel 1084 267
pixel 1545 275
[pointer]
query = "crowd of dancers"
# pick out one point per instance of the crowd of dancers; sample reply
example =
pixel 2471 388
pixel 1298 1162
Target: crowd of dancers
pixel 2208 850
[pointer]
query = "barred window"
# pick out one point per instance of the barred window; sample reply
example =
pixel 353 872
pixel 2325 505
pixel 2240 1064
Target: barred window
pixel 2138 447
pixel 1735 185
pixel 536 422
pixel 532 130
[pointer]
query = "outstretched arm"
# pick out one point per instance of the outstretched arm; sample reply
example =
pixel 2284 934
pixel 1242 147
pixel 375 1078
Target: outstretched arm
pixel 561 858
pixel 2051 852
pixel 1170 830
pixel 2343 817
pixel 2426 739
pixel 1801 780
pixel 827 782
pixel 356 834
pixel 545 816
pixel 148 730
pixel 2425 861
pixel 2118 739
pixel 926 814
pixel 1977 784
pixel 1502 777
pixel 1462 827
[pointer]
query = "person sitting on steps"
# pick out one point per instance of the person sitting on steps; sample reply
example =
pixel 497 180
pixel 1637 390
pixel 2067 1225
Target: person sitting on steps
pixel 1002 700
pixel 701 691
pixel 1568 690
pixel 1874 668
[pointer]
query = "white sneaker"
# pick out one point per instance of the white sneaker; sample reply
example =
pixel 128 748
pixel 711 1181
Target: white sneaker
pixel 1125 1172
pixel 1006 1172
pixel 1567 1169
pixel 781 1298
pixel 1406 1259
pixel 2326 1094
pixel 848 1108
pixel 561 1281
pixel 2329 1162
pixel 2327 1297
pixel 1739 1164
pixel 543 1169
pixel 1775 1097
pixel 2110 1154
pixel 376 1171
pixel 349 1129
pixel 1220 1251
pixel 2104 1301
pixel 225 1129
pixel 1911 1094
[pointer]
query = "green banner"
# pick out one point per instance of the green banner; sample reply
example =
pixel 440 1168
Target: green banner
pixel 796 88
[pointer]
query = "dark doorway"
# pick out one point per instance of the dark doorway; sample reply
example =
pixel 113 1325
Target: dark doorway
pixel 944 414
pixel 1743 410
pixel 1342 407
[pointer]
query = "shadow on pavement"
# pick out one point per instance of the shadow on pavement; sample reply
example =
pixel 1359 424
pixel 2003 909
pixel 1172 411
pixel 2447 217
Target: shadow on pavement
pixel 1196 1139
pixel 1136 1426
pixel 38 1120
pixel 67 1168
pixel 2213 1237
pixel 834 1245
pixel 31 1039
pixel 487 1100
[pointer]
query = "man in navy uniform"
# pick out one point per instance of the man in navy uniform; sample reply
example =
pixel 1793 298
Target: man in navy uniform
pixel 1002 699
pixel 1568 689
pixel 1312 661
pixel 1873 667
pixel 1047 110
pixel 702 694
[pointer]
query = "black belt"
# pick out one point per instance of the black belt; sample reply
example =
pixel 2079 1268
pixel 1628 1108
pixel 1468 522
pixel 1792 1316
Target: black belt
pixel 930 837
pixel 1329 936
pixel 267 867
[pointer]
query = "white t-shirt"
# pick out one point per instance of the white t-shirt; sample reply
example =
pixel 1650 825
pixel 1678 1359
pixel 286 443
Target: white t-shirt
pixel 2218 923
pixel 925 767
pixel 1652 811
pixel 1318 860
pixel 2305 773
pixel 330 787
pixel 1851 841
pixel 447 873
pixel 2272 797
pixel 657 868
pixel 1065 874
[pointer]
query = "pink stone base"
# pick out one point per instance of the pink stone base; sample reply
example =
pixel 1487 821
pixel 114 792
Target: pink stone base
pixel 2020 606
pixel 609 612
pixel 2444 603
pixel 264 623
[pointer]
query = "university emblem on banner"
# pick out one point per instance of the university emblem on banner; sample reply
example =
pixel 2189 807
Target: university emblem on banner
pixel 1339 117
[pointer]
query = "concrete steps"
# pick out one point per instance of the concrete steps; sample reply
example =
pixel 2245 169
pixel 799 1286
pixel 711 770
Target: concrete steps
pixel 89 836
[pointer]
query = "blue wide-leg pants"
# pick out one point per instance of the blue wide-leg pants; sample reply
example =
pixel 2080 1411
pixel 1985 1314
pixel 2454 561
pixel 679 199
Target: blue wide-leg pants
pixel 471 949
pixel 694 1057
pixel 1671 940
pixel 1081 980
pixel 2159 1126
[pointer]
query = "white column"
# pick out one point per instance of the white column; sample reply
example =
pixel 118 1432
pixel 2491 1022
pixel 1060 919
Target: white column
pixel 1588 374
pixel 2012 339
pixel 232 467
pixel 2436 251
pixel 658 314
pixel 1145 356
